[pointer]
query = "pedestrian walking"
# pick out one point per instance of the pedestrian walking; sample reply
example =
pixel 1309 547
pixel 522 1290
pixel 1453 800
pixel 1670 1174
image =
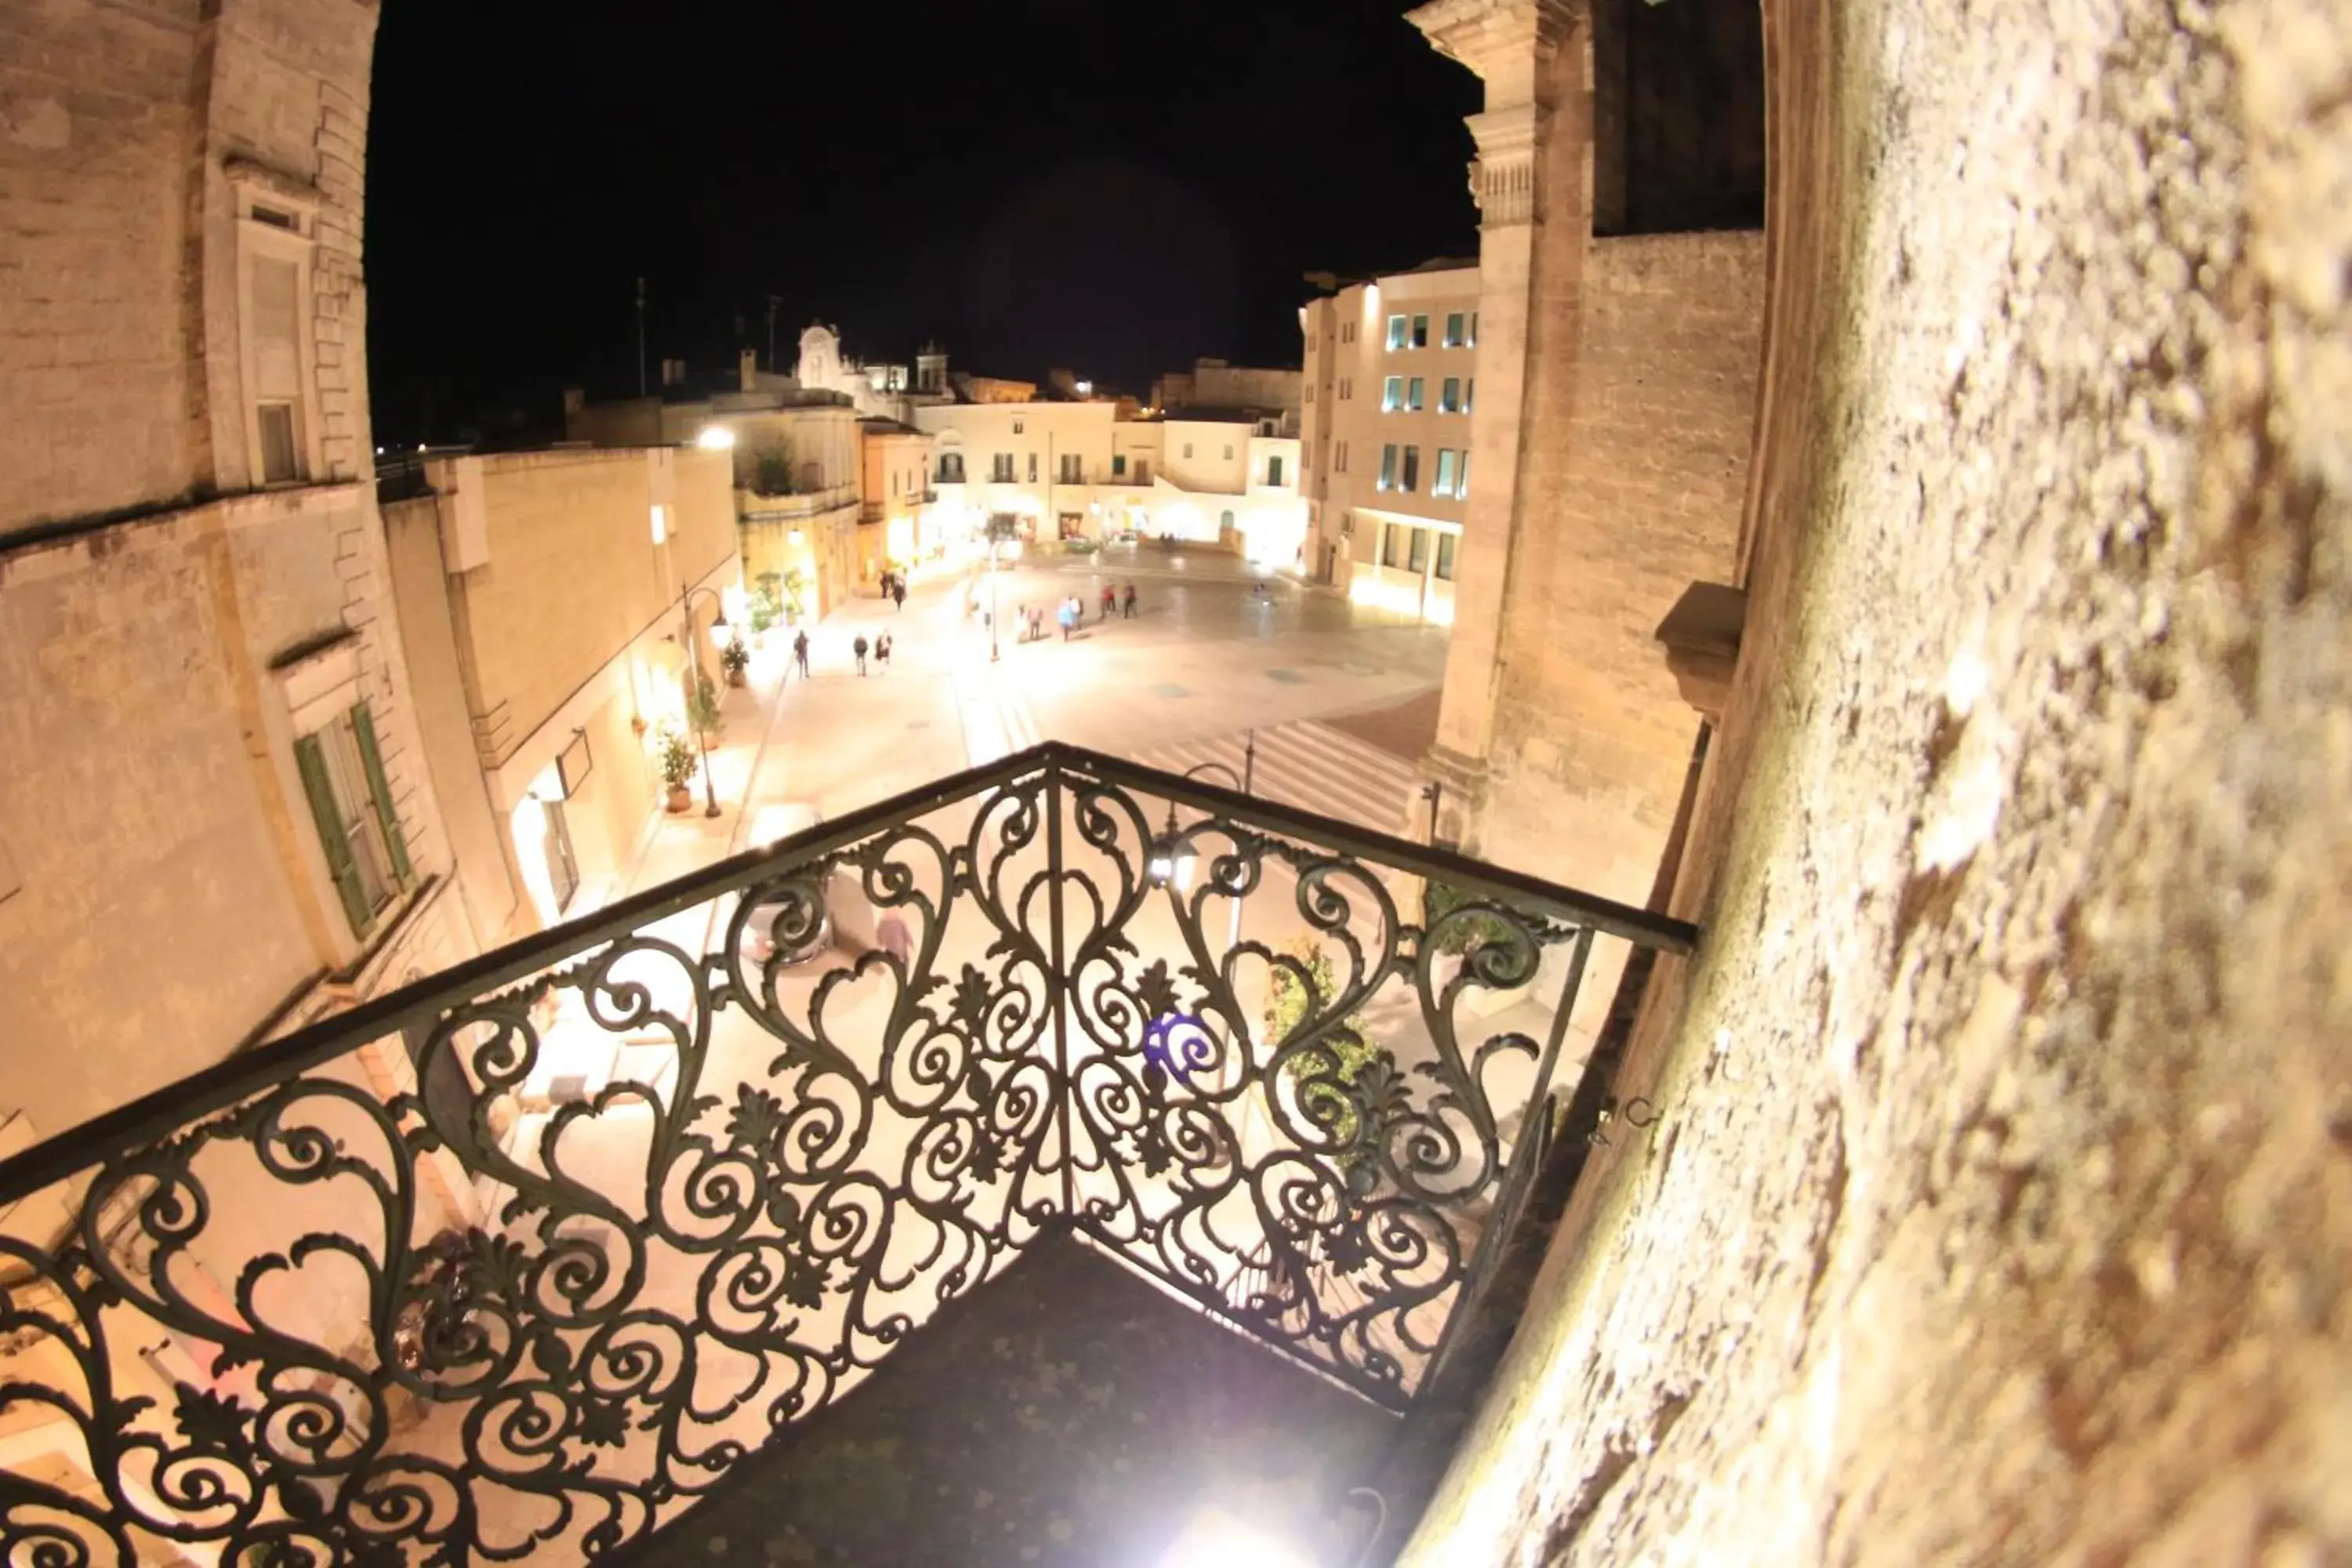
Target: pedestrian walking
pixel 899 590
pixel 1065 618
pixel 882 650
pixel 800 652
pixel 858 647
pixel 1131 603
pixel 1037 625
pixel 1109 601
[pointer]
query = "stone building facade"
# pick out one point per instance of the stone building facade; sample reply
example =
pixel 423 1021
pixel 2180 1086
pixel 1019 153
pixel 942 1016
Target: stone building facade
pixel 217 820
pixel 549 602
pixel 1616 403
pixel 797 462
pixel 1996 1206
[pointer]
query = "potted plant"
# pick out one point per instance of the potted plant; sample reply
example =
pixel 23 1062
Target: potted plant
pixel 677 762
pixel 735 659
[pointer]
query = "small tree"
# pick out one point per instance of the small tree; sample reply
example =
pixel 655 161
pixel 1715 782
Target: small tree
pixel 702 710
pixel 1475 930
pixel 1288 1005
pixel 771 471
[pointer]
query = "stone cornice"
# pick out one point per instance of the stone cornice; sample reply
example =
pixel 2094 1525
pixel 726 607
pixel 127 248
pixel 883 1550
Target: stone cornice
pixel 1480 34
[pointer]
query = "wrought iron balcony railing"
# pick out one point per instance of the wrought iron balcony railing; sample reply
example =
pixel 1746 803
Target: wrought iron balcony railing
pixel 515 1262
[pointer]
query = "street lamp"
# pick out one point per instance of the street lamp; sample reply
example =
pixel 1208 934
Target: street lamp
pixel 999 528
pixel 1165 865
pixel 721 634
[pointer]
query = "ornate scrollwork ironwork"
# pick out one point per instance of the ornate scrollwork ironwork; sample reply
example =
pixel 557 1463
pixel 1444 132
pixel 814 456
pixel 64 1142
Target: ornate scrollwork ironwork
pixel 479 1321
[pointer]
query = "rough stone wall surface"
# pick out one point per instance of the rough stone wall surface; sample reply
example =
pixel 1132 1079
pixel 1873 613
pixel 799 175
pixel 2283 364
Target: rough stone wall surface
pixel 573 574
pixel 2000 1203
pixel 96 132
pixel 1634 472
pixel 420 592
pixel 155 927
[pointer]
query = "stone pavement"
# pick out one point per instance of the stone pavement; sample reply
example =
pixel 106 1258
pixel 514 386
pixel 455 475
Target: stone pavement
pixel 1214 648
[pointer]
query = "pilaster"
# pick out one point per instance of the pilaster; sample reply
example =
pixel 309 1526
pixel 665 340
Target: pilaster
pixel 1511 45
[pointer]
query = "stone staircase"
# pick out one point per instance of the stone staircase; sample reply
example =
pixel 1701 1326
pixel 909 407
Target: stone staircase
pixel 1312 767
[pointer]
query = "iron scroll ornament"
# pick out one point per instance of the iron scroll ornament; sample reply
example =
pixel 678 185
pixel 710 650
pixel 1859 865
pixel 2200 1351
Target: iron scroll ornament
pixel 631 1291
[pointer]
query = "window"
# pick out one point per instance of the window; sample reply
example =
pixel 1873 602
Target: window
pixel 1347 388
pixel 1446 544
pixel 1392 544
pixel 1462 475
pixel 894 483
pixel 273 346
pixel 1229 452
pixel 1445 485
pixel 1225 522
pixel 1396 331
pixel 1018 426
pixel 1474 330
pixel 279 461
pixel 1274 469
pixel 1419 559
pixel 1453 330
pixel 350 803
pixel 1388 466
pixel 1117 465
pixel 1142 470
pixel 1412 395
pixel 1449 396
pixel 1032 468
pixel 1420 331
pixel 950 467
pixel 1410 480
pixel 1470 396
pixel 1342 464
pixel 1074 468
pixel 1392 394
pixel 1001 471
pixel 1188 448
pixel 1310 392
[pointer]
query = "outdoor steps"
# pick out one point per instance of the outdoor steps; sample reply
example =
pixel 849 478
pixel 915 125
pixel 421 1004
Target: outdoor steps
pixel 1309 766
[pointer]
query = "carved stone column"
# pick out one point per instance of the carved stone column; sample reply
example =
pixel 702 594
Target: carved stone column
pixel 1511 45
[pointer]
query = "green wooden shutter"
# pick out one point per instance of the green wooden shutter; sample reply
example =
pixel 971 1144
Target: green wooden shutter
pixel 364 726
pixel 345 870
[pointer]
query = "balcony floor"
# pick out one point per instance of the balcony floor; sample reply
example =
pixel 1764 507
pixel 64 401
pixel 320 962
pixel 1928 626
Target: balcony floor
pixel 1066 1413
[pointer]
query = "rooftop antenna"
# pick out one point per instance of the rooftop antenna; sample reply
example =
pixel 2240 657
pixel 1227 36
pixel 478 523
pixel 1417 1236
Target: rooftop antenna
pixel 773 300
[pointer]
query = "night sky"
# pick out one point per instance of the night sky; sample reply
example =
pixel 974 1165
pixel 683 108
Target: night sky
pixel 1111 187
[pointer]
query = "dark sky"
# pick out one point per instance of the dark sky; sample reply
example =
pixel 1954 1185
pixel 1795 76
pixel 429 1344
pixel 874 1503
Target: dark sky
pixel 1113 186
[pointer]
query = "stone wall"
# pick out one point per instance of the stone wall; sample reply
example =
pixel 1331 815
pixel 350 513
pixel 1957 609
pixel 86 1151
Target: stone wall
pixel 97 133
pixel 477 832
pixel 1999 1208
pixel 174 899
pixel 573 576
pixel 121 123
pixel 1641 406
pixel 169 899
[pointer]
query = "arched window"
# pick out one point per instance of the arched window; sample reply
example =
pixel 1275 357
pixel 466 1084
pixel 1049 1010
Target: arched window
pixel 1225 521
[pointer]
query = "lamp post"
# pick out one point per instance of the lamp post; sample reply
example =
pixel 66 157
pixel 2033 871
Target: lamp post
pixel 720 634
pixel 1168 870
pixel 998 527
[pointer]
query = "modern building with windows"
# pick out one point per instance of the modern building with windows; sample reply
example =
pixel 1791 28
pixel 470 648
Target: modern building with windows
pixel 1392 389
